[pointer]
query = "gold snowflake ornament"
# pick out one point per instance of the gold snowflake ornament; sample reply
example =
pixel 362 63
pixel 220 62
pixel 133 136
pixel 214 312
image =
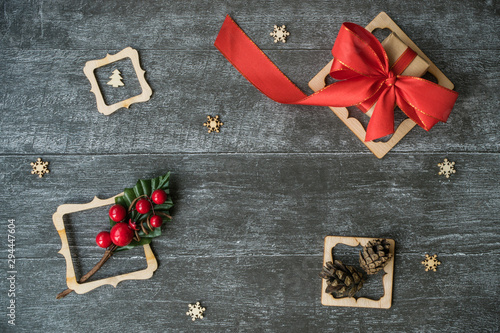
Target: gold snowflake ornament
pixel 446 168
pixel 39 167
pixel 431 262
pixel 195 311
pixel 213 124
pixel 280 34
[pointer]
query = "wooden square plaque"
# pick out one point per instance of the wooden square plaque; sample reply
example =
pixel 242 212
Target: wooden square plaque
pixel 384 302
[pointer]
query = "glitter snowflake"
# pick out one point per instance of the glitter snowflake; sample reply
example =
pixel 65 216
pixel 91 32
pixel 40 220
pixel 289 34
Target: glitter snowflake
pixel 195 311
pixel 431 262
pixel 279 34
pixel 213 124
pixel 446 168
pixel 39 167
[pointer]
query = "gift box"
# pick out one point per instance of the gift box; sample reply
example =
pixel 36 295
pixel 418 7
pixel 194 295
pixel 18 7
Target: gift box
pixel 394 45
pixel 367 77
pixel 395 48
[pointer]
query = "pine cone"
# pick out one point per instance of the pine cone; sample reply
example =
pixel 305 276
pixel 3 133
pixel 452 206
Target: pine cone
pixel 375 255
pixel 342 280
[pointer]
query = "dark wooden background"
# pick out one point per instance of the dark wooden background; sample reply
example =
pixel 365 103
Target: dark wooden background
pixel 254 202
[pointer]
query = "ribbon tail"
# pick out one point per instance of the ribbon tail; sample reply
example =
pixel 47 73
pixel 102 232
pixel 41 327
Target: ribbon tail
pixel 257 68
pixel 382 121
pixel 254 65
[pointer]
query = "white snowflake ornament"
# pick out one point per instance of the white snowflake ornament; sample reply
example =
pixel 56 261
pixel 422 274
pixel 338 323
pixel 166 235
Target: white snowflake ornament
pixel 446 168
pixel 39 167
pixel 195 311
pixel 280 34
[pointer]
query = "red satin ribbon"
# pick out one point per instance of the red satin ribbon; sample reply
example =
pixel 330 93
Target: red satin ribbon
pixel 362 68
pixel 397 68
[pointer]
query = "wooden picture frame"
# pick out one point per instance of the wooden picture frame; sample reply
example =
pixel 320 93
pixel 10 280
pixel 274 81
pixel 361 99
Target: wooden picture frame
pixel 384 302
pixel 380 149
pixel 81 288
pixel 92 65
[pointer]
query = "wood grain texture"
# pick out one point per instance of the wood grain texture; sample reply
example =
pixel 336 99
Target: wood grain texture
pixel 254 202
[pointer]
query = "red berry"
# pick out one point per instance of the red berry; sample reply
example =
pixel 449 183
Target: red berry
pixel 103 239
pixel 121 234
pixel 117 213
pixel 159 197
pixel 133 225
pixel 143 206
pixel 156 221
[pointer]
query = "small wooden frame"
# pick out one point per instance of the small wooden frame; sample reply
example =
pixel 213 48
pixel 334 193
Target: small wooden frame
pixel 381 21
pixel 82 288
pixel 384 302
pixel 91 65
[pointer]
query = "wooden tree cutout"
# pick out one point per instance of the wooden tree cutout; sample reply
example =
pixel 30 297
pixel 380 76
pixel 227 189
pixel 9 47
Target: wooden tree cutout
pixel 384 302
pixel 92 65
pixel 116 79
pixel 381 21
pixel 82 288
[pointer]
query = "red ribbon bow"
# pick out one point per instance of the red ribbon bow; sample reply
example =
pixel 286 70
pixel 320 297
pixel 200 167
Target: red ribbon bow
pixel 362 68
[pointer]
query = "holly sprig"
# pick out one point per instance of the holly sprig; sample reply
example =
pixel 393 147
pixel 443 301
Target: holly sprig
pixel 144 188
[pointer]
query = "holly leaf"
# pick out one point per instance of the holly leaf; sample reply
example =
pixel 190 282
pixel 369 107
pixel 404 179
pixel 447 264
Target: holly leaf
pixel 152 234
pixel 161 182
pixel 165 206
pixel 134 243
pixel 129 196
pixel 146 185
pixel 121 201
